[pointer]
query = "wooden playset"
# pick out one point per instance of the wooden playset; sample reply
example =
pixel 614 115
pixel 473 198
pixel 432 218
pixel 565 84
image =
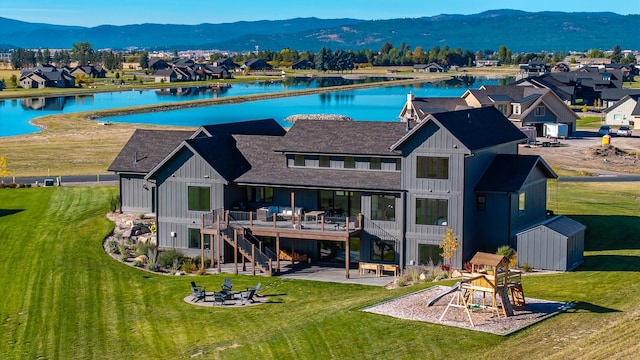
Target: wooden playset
pixel 489 276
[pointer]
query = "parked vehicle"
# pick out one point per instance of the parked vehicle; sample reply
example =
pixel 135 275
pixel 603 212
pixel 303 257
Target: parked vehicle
pixel 624 131
pixel 604 130
pixel 557 131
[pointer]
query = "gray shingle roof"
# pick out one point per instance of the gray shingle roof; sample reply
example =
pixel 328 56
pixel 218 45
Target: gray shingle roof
pixel 269 167
pixel 426 106
pixel 149 147
pixel 480 128
pixel 342 137
pixel 250 127
pixel 508 172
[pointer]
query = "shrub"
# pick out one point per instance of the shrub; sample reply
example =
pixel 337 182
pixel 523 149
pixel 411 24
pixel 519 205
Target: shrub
pixel 401 281
pixel 201 272
pixel 122 250
pixel 143 248
pixel 112 246
pixel 11 185
pixel 188 267
pixel 505 251
pixel 526 267
pixel 114 202
pixel 138 263
pixel 413 273
pixel 197 261
pixel 174 267
pixel 168 257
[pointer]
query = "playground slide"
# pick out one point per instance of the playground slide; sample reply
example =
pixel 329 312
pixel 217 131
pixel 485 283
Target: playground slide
pixel 443 293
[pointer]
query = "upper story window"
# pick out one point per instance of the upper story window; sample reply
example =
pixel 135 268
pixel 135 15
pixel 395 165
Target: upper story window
pixel 349 162
pixel 375 164
pixel 298 160
pixel 199 198
pixel 516 109
pixel 325 161
pixel 481 203
pixel 432 212
pixel 383 207
pixel 429 167
pixel 539 111
pixel 504 108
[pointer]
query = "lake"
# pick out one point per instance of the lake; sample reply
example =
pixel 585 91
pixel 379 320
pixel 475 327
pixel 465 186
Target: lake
pixel 381 104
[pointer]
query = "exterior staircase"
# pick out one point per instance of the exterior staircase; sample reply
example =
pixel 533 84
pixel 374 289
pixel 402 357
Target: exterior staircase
pixel 247 246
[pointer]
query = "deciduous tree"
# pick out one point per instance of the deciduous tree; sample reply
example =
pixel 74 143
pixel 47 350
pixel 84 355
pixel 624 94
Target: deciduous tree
pixel 449 246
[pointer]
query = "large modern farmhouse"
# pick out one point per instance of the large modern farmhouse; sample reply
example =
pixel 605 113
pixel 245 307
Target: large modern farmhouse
pixel 337 191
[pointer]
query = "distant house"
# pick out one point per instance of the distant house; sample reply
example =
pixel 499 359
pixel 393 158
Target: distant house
pixel 523 105
pixel 624 112
pixel 430 67
pixel 88 71
pixel 481 63
pixel 157 64
pixel 532 68
pixel 226 62
pixel 46 75
pixel 303 64
pixel 385 192
pixel 561 67
pixel 166 75
pixel 256 64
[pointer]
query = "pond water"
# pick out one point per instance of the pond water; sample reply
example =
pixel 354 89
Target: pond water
pixel 367 104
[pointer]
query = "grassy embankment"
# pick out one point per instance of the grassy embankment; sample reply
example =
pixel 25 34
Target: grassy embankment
pixel 72 145
pixel 64 298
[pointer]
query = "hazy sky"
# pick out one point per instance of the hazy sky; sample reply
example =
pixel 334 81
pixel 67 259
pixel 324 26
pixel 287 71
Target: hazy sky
pixel 119 12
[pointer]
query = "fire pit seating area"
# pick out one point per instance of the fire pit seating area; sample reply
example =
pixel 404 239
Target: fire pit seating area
pixel 281 212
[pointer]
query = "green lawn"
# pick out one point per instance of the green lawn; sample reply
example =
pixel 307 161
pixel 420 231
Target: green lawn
pixel 64 298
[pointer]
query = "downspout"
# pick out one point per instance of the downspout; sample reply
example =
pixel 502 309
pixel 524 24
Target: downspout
pixel 509 220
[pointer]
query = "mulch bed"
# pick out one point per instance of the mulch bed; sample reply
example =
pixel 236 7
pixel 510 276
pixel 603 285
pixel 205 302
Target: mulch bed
pixel 413 307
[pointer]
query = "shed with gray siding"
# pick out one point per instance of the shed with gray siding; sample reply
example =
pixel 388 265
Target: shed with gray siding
pixel 556 244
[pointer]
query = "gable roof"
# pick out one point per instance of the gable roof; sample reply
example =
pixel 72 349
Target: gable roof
pixel 146 148
pixel 425 106
pixel 508 172
pixel 248 127
pixel 342 137
pixel 476 129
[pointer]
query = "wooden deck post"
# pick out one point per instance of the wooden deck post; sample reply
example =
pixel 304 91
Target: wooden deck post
pixel 322 222
pixel 253 259
pixel 278 252
pixel 293 209
pixel 219 243
pixel 201 250
pixel 250 218
pixel 346 255
pixel 235 250
pixel 360 225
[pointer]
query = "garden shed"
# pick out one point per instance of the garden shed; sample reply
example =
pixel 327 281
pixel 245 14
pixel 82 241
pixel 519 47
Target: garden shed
pixel 555 244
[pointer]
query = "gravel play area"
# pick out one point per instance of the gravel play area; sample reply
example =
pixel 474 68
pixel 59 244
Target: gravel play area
pixel 413 307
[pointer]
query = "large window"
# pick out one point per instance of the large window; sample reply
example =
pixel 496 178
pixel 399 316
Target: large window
pixel 432 212
pixel 432 167
pixel 199 198
pixel 260 194
pixel 383 250
pixel 383 207
pixel 194 239
pixel 429 255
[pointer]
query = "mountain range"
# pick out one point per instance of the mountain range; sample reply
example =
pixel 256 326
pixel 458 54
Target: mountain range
pixel 519 31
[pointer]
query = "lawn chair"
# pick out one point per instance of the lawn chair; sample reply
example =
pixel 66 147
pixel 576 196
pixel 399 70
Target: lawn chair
pixel 219 298
pixel 226 285
pixel 247 296
pixel 256 289
pixel 198 292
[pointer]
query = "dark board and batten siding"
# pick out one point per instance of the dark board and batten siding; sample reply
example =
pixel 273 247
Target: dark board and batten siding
pixel 173 213
pixel 557 244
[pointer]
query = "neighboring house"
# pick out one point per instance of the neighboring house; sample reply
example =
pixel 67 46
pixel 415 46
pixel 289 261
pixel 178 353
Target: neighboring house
pixel 533 68
pixel 610 97
pixel 157 64
pixel 624 112
pixel 561 67
pixel 166 75
pixel 303 64
pixel 430 67
pixel 256 64
pixel 481 63
pixel 46 75
pixel 226 62
pixel 523 105
pixel 88 71
pixel 394 189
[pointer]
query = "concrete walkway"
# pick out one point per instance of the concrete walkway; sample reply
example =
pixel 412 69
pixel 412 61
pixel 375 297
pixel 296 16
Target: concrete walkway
pixel 317 273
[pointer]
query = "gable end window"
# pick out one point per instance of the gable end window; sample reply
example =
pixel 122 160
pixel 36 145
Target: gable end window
pixel 539 111
pixel 429 167
pixel 481 203
pixel 521 203
pixel 199 198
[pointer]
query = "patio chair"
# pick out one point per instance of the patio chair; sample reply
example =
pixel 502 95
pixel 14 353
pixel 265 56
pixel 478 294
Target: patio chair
pixel 247 296
pixel 219 298
pixel 226 285
pixel 198 292
pixel 256 289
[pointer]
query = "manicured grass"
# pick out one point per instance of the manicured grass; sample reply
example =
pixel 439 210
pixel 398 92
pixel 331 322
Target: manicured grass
pixel 64 298
pixel 589 122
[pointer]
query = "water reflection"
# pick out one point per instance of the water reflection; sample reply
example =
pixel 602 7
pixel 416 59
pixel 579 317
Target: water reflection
pixel 54 103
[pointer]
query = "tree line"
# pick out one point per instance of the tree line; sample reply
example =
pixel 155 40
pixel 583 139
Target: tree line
pixel 82 52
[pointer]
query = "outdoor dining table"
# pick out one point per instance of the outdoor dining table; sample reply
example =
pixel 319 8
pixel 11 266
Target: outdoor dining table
pixel 313 214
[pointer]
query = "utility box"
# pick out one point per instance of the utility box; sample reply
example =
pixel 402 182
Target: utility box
pixel 556 131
